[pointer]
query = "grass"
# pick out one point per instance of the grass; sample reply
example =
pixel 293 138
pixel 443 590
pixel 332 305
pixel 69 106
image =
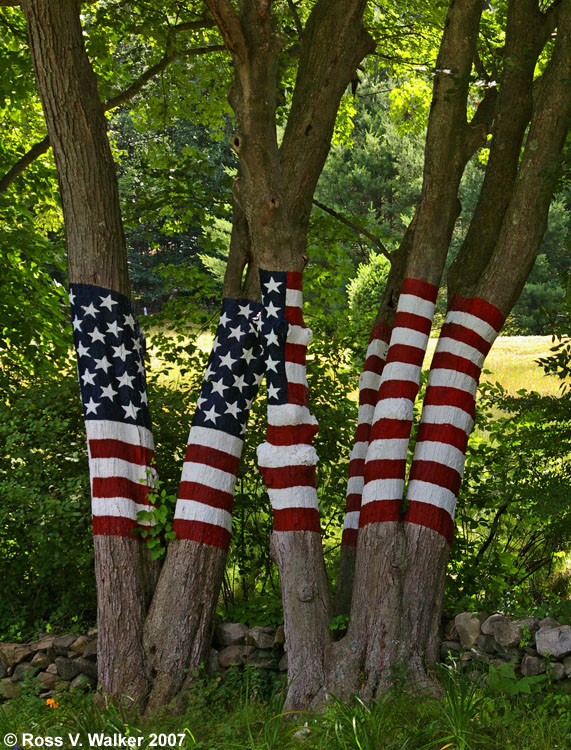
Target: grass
pixel 236 714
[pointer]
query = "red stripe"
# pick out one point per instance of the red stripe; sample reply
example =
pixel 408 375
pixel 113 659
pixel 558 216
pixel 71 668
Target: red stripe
pixel 206 533
pixel 443 433
pixel 297 519
pixel 295 353
pixel 297 393
pixel 437 519
pixel 398 389
pixel 420 288
pixel 385 468
pixel 480 308
pixel 436 473
pixel 368 396
pixel 374 364
pixel 356 467
pixel 362 432
pixel 380 510
pixel 349 537
pixel 113 526
pixel 446 361
pixel 295 316
pixel 465 336
pixel 288 476
pixel 415 322
pixel 120 487
pixel 385 429
pixel 201 454
pixel 135 454
pixel 294 280
pixel 410 355
pixel 437 395
pixel 207 495
pixel 353 502
pixel 292 434
pixel 381 331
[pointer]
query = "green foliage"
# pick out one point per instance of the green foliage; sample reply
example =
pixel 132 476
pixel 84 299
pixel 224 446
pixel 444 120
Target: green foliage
pixel 503 679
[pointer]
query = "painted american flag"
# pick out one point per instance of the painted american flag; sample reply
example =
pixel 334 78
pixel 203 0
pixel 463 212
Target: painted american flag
pixel 110 349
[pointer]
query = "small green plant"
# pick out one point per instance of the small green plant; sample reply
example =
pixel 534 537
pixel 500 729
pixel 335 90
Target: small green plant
pixel 158 533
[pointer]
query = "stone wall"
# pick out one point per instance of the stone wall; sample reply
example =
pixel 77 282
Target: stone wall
pixel 58 663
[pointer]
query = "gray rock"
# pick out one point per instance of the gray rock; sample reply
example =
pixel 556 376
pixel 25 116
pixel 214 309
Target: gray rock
pixel 43 643
pixel 556 671
pixel 554 641
pixel 52 669
pixel 3 670
pixel 528 625
pixel 66 668
pixel 9 689
pixel 40 660
pixel 450 649
pixel 549 622
pixel 13 653
pixel 234 655
pixel 511 653
pixel 229 634
pixel 488 625
pixel 532 665
pixel 505 632
pixel 468 628
pixel 282 666
pixel 22 670
pixel 79 644
pixel 279 638
pixel 90 649
pixel 486 643
pixel 213 662
pixel 46 680
pixel 567 665
pixel 86 667
pixel 62 644
pixel 260 637
pixel 82 682
pixel 262 659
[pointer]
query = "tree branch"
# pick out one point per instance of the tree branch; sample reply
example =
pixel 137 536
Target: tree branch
pixel 296 18
pixel 115 101
pixel 355 227
pixel 230 26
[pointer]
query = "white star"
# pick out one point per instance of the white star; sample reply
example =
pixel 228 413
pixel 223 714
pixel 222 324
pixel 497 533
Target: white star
pixel 232 409
pixel 144 397
pixel 102 364
pixel 137 346
pixel 129 320
pixel 120 352
pixel 82 351
pixel 108 392
pixel 125 380
pixel 71 297
pixel 271 364
pixel 89 310
pixel 239 382
pixel 200 401
pixel 258 378
pixel 273 391
pixel 218 387
pixel 91 407
pixel 224 319
pixel 236 333
pixel 215 344
pixel 114 328
pixel 272 285
pixel 248 355
pixel 272 310
pixel 76 324
pixel 227 361
pixel 87 377
pixel 96 335
pixel 211 414
pixel 140 368
pixel 244 310
pixel 131 410
pixel 209 373
pixel 108 302
pixel 272 338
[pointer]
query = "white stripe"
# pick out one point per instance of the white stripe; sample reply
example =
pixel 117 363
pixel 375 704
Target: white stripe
pixel 433 494
pixel 293 497
pixel 368 379
pixel 382 489
pixel 295 373
pixel 441 453
pixel 277 456
pixel 209 476
pixel 191 510
pixel 452 379
pixel 299 335
pixel 473 323
pixel 103 468
pixel 294 298
pixel 409 337
pixel 104 429
pixel 460 349
pixel 217 439
pixel 448 415
pixel 377 348
pixel 394 408
pixel 410 303
pixel 355 485
pixel 390 448
pixel 289 414
pixel 351 520
pixel 359 450
pixel 366 413
pixel 121 507
pixel 401 371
